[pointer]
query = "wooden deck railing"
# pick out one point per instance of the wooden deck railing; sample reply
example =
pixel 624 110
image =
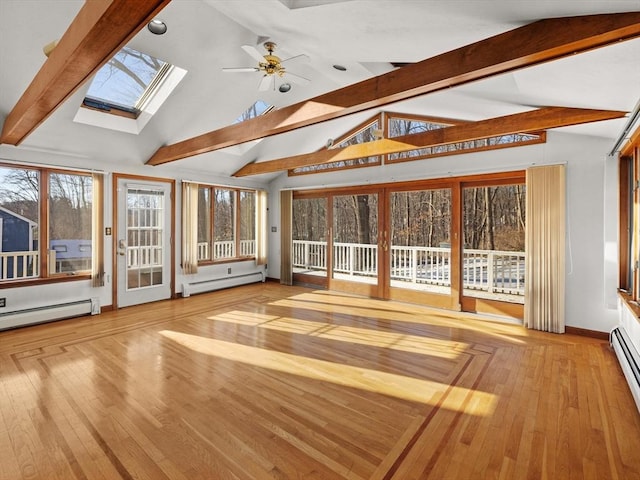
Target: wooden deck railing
pixel 490 271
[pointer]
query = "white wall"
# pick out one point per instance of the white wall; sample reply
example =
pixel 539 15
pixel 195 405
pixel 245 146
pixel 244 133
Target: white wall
pixel 19 298
pixel 588 295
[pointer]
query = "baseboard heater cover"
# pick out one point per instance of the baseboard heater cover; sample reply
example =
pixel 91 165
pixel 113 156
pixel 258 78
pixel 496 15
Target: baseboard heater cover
pixel 48 313
pixel 629 360
pixel 192 288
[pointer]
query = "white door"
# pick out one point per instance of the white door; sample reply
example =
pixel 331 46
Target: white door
pixel 144 241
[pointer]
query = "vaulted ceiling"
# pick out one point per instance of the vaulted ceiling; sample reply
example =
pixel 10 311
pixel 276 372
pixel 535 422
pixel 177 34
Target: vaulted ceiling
pixel 365 36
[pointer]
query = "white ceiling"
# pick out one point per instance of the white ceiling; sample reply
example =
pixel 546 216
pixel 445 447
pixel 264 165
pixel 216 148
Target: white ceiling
pixel 363 35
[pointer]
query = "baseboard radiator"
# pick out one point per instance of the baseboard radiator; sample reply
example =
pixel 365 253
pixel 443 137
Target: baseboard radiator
pixel 629 360
pixel 49 313
pixel 210 285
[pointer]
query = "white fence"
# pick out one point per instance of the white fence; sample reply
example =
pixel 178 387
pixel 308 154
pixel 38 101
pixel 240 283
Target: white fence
pixel 226 249
pixel 19 265
pixel 489 271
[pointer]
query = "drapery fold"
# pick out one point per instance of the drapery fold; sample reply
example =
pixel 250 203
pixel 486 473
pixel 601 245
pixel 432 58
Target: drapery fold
pixel 189 228
pixel 97 228
pixel 261 227
pixel 545 246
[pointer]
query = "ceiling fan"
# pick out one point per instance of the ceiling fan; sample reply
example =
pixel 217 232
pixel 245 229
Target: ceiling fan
pixel 271 65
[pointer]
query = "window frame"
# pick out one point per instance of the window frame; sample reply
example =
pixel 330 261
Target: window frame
pixel 45 275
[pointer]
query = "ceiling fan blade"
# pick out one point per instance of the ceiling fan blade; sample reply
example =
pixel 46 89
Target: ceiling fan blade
pixel 255 54
pixel 265 83
pixel 297 78
pixel 296 59
pixel 241 69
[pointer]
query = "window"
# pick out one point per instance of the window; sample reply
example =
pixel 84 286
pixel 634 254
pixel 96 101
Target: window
pixel 365 132
pixel 629 251
pixel 392 125
pixel 125 82
pixel 130 87
pixel 226 223
pixel 399 126
pixel 255 110
pixel 46 223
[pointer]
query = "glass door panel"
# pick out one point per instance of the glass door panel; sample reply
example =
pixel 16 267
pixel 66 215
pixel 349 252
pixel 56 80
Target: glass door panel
pixel 420 251
pixel 310 238
pixel 355 255
pixel 144 245
pixel 493 255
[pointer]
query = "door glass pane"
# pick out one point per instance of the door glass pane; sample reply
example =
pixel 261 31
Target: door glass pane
pixel 420 240
pixel 493 253
pixel 310 236
pixel 355 238
pixel 144 250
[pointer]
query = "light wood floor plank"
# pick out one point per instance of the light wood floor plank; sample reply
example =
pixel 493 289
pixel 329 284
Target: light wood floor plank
pixel 274 382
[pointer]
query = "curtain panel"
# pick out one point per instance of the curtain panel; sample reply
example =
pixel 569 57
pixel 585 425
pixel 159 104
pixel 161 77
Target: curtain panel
pixel 189 228
pixel 261 228
pixel 97 230
pixel 545 246
pixel 286 234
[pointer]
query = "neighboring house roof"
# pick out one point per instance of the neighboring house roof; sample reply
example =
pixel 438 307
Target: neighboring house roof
pixel 18 216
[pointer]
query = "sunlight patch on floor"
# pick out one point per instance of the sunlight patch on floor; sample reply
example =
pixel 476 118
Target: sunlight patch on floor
pixel 399 386
pixel 362 336
pixel 377 310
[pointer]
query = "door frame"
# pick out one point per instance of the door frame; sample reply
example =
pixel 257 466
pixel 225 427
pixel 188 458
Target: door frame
pixel 116 177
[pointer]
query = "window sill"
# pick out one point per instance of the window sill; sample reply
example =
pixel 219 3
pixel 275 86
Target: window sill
pixel 43 281
pixel 631 304
pixel 222 261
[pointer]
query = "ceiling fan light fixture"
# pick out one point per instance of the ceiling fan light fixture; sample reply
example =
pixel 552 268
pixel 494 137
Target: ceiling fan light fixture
pixel 157 27
pixel 284 88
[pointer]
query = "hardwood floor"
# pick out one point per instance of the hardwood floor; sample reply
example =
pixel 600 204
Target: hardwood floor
pixel 266 381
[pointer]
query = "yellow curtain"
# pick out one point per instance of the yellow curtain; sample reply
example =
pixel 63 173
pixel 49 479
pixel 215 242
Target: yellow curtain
pixel 97 229
pixel 261 227
pixel 286 220
pixel 545 247
pixel 189 228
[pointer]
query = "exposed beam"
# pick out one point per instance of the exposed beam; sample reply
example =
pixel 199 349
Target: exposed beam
pixel 538 42
pixel 532 121
pixel 100 29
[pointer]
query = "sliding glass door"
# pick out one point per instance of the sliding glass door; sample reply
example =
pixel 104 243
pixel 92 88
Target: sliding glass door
pixel 420 246
pixel 356 256
pixel 451 243
pixel 493 256
pixel 310 233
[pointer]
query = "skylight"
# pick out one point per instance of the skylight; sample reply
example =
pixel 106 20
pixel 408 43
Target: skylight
pixel 130 89
pixel 126 81
pixel 255 110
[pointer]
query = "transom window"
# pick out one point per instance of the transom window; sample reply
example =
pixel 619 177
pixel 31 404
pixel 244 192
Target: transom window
pixel 392 125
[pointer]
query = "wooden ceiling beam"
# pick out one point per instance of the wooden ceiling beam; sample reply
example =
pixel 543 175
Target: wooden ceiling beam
pixel 532 121
pixel 532 44
pixel 96 34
